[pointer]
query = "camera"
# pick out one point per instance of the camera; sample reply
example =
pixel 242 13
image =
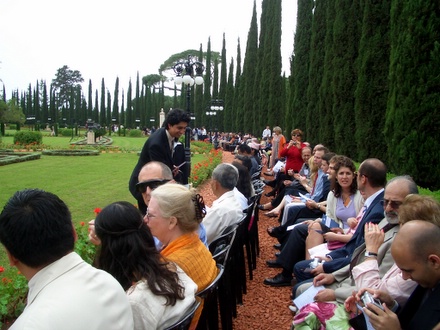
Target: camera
pixel 314 263
pixel 368 298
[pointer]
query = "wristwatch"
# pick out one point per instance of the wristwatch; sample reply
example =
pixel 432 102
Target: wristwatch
pixel 370 254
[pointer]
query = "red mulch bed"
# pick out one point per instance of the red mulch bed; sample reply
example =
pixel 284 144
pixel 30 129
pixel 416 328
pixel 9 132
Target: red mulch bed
pixel 263 307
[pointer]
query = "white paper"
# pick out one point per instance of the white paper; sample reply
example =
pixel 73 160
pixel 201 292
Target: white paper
pixel 292 226
pixel 319 251
pixel 307 296
pixel 304 198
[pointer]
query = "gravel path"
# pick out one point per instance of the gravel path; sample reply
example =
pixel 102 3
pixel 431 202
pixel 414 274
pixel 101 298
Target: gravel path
pixel 263 307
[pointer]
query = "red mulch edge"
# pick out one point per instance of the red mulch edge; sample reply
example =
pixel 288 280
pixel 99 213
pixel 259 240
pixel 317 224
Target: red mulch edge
pixel 263 307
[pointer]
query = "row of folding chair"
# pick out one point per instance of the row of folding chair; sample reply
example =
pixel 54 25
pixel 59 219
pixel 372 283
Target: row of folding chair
pixel 229 251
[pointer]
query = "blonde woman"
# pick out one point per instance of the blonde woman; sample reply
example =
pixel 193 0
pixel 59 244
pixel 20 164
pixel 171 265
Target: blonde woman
pixel 174 214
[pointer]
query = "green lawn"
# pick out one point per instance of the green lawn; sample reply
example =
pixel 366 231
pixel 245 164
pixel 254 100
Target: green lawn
pixel 84 183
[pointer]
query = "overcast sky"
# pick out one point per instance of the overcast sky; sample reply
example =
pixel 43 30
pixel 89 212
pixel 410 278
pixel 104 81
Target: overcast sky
pixel 109 39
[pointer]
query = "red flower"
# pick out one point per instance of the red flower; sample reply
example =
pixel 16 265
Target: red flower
pixel 97 210
pixel 1 269
pixel 82 223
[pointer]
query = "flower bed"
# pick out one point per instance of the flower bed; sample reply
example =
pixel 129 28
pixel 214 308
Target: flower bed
pixel 71 152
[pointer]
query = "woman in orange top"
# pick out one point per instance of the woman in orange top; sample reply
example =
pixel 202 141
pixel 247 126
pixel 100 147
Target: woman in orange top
pixel 174 214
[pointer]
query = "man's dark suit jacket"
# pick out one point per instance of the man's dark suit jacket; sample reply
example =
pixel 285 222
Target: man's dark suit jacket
pixel 342 256
pixel 157 148
pixel 416 315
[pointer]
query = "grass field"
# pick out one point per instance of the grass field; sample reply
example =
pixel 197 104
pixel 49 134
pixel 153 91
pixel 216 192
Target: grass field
pixel 84 183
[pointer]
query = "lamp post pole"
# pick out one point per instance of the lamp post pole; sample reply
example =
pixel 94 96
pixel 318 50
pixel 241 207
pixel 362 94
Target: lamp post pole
pixel 188 72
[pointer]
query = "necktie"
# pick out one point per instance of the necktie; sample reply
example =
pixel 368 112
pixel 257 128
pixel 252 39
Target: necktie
pixel 314 184
pixel 355 259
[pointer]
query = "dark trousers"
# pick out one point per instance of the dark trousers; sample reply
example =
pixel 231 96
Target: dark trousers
pixel 294 249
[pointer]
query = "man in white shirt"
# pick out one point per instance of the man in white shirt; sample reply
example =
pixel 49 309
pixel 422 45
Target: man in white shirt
pixel 225 210
pixel 64 291
pixel 266 133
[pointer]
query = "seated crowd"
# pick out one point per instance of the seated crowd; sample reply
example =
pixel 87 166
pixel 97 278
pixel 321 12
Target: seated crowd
pixel 363 234
pixel 340 230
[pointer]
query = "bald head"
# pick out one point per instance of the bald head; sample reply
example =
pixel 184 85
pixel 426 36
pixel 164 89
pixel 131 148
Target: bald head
pixel 375 171
pixel 153 171
pixel 419 236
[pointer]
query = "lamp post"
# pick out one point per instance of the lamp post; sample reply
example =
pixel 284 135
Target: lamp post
pixel 210 114
pixel 188 72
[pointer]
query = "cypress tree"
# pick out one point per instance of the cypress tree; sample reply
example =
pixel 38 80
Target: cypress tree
pixel 122 115
pixel 238 101
pixel 217 124
pixel 115 112
pixel 129 122
pixel 372 86
pixel 249 74
pixel 102 116
pixel 228 112
pixel 207 81
pixel 222 85
pixel 346 44
pixel 275 107
pixel 325 96
pixel 316 71
pixel 412 117
pixel 44 106
pixel 90 101
pixel 96 109
pixel 199 105
pixel 137 104
pixel 109 110
pixel 78 109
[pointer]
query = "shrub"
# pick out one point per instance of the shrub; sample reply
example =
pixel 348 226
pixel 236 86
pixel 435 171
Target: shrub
pixel 28 137
pixel 12 126
pixel 135 133
pixel 65 131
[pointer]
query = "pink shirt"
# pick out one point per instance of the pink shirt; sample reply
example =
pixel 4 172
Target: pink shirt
pixel 366 275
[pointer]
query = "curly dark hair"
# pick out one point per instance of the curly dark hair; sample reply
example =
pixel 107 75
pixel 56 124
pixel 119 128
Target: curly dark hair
pixel 129 254
pixel 343 161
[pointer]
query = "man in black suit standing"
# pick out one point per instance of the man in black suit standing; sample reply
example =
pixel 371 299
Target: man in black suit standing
pixel 416 251
pixel 164 146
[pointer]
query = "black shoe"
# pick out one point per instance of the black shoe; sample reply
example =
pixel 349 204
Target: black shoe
pixel 273 264
pixel 277 246
pixel 277 232
pixel 278 280
pixel 270 194
pixel 270 183
pixel 277 254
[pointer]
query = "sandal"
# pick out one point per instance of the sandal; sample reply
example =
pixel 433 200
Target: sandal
pixel 267 206
pixel 271 214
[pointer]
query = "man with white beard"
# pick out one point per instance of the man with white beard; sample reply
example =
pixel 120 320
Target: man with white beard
pixel 340 284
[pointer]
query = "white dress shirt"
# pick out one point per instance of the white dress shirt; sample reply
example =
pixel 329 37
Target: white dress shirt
pixel 70 294
pixel 225 211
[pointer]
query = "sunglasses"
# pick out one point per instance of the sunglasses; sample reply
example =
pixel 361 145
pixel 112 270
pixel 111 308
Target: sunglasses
pixel 393 204
pixel 296 135
pixel 152 184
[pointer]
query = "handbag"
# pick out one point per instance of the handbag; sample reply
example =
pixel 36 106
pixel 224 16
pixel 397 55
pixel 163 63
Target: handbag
pixel 333 245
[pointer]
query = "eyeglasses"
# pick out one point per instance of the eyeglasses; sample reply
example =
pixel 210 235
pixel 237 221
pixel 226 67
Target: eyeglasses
pixel 152 184
pixel 296 135
pixel 393 204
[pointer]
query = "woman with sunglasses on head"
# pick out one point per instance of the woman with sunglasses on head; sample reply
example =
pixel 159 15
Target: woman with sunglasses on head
pixel 158 290
pixel 294 161
pixel 174 214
